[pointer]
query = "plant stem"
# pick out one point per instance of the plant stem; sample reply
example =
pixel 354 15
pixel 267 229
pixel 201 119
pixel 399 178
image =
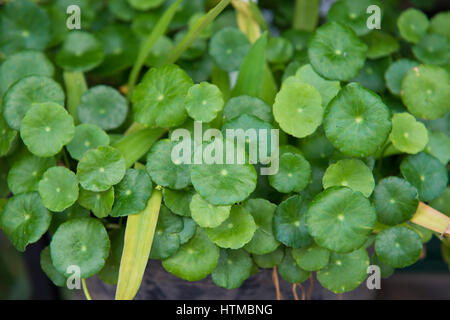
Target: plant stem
pixel 432 219
pixel 85 289
pixel 306 15
pixel 75 86
pixel 139 234
pixel 146 47
pixel 196 30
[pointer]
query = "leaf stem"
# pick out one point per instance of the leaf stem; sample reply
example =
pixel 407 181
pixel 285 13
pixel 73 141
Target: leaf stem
pixel 76 85
pixel 196 30
pixel 85 289
pixel 146 47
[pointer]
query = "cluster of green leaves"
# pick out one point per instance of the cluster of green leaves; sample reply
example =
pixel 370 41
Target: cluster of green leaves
pixel 364 134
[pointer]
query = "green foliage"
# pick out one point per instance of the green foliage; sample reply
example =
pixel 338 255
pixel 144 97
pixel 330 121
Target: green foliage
pixel 87 119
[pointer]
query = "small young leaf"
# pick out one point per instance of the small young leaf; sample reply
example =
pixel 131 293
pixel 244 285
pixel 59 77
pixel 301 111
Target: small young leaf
pixel 58 189
pixel 395 201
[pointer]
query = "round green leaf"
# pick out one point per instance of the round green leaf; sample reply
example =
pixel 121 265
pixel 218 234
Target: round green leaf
pixel 317 148
pixel 163 170
pixel 312 257
pixel 441 203
pixel 433 49
pixel 224 184
pixel 122 9
pixel 25 94
pixel 397 72
pixel 336 52
pixel 196 49
pixel 49 269
pixel 386 270
pixel 380 44
pixel 46 128
pixel 24 219
pixel 203 102
pixel 439 146
pixel 207 215
pixel 258 135
pixel 271 259
pixel 294 174
pixel 23 25
pixel 101 168
pixel 440 24
pixel 345 272
pixel 194 260
pixel 21 65
pixel 408 135
pixel 166 240
pixel 189 228
pixel 425 173
pixel 290 271
pixel 87 137
pixel 412 25
pixel 58 189
pixel 240 105
pixel 159 52
pixel 80 52
pixel 350 173
pixel 25 174
pixel 340 219
pixel 357 122
pixel 263 240
pixel 279 50
pixel 289 222
pixel 144 5
pixel 58 28
pixel 103 106
pixel 178 201
pixel 132 193
pixel 100 203
pixel 234 232
pixel 233 268
pixel 298 108
pixel 80 242
pixel 7 137
pixel 426 92
pixel 120 46
pixel 352 13
pixel 327 89
pixel 228 48
pixel 144 23
pixel 398 247
pixel 110 272
pixel 371 75
pixel 395 201
pixel 159 98
pixel 298 38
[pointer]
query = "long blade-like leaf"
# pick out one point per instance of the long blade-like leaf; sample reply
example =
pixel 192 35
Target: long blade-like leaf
pixel 251 73
pixel 432 219
pixel 196 30
pixel 137 245
pixel 75 86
